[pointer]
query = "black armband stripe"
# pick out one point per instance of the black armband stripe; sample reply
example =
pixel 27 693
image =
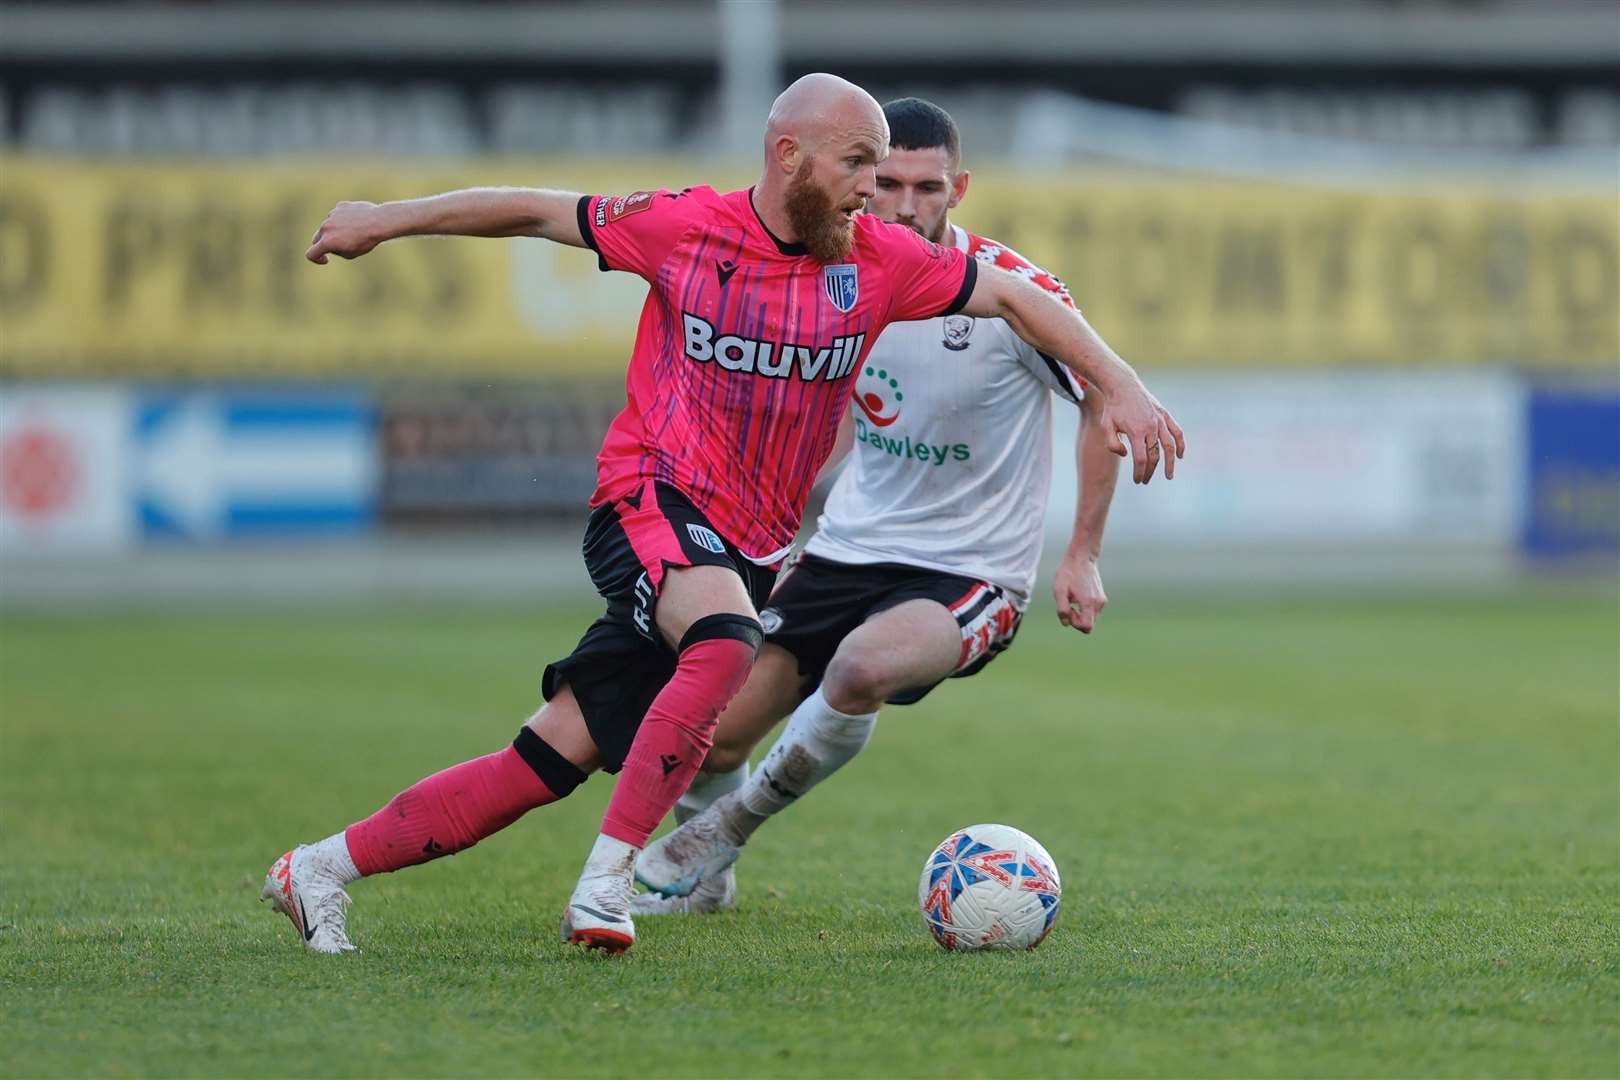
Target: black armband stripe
pixel 970 278
pixel 725 625
pixel 555 771
pixel 584 212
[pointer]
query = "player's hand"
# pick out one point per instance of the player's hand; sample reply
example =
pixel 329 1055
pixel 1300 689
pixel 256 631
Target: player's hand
pixel 1077 587
pixel 349 231
pixel 1142 428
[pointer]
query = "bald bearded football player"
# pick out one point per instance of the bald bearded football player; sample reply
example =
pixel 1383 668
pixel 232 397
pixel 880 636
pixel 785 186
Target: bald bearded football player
pixel 922 565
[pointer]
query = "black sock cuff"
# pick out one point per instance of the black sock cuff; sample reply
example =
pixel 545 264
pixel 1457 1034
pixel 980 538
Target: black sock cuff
pixel 726 625
pixel 555 771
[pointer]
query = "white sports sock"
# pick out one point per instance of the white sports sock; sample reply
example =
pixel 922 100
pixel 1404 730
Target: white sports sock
pixel 707 787
pixel 332 857
pixel 817 742
pixel 610 855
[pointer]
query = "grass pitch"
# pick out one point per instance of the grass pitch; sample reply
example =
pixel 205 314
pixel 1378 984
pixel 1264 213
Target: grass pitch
pixel 1326 838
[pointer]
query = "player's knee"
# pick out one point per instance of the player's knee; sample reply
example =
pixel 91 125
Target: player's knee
pixel 855 683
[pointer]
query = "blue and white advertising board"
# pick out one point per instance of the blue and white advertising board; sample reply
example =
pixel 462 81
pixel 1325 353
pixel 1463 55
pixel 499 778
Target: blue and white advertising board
pixel 222 465
pixel 87 469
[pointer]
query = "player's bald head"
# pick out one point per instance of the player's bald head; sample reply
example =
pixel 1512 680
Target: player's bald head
pixel 819 109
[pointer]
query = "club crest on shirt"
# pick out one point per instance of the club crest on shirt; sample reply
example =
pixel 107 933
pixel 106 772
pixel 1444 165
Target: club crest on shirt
pixel 841 284
pixel 958 328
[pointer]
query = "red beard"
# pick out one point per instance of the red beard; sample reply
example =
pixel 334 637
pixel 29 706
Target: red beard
pixel 828 234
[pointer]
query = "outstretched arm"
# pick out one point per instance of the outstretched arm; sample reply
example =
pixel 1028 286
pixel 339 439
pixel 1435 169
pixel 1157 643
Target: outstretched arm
pixel 354 228
pixel 1077 585
pixel 1062 333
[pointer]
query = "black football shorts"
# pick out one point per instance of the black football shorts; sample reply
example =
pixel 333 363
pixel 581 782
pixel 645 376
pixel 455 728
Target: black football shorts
pixel 819 601
pixel 622 662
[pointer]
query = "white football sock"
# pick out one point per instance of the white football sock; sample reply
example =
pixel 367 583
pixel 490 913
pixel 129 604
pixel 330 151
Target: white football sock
pixel 817 742
pixel 332 858
pixel 707 787
pixel 610 855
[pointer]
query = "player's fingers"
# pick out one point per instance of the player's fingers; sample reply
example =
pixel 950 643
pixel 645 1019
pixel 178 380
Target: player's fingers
pixel 1151 452
pixel 1139 459
pixel 1119 445
pixel 1065 606
pixel 1090 611
pixel 1167 448
pixel 1176 434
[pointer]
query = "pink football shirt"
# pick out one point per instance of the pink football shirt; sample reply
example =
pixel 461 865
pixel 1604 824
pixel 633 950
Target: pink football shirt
pixel 747 350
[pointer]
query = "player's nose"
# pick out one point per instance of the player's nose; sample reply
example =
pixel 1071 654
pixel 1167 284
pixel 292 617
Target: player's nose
pixel 866 182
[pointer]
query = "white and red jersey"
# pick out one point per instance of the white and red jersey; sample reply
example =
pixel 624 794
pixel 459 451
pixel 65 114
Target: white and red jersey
pixel 952 459
pixel 747 350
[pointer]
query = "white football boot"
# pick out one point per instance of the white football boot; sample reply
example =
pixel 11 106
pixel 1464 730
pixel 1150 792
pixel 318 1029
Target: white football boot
pixel 698 851
pixel 299 887
pixel 718 893
pixel 598 913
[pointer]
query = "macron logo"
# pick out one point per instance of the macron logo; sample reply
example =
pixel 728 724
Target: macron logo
pixel 768 358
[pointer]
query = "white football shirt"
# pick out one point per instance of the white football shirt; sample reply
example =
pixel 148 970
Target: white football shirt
pixel 952 459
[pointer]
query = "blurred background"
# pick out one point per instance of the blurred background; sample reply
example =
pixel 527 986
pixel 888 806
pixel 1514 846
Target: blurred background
pixel 1366 251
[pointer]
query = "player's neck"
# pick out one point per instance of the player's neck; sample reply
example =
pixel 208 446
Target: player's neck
pixel 947 235
pixel 771 207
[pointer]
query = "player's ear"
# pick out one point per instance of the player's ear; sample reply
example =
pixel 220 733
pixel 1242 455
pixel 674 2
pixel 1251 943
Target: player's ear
pixel 788 153
pixel 959 186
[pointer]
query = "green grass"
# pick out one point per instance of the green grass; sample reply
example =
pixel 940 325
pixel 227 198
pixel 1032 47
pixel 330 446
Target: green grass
pixel 1359 837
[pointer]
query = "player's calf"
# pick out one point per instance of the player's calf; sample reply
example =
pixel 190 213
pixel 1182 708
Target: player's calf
pixel 817 742
pixel 439 815
pixel 452 810
pixel 715 655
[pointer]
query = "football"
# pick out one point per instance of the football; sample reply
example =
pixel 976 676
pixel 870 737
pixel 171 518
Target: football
pixel 989 887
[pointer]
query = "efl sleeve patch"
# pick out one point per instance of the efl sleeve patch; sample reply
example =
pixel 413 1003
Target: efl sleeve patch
pixel 626 205
pixel 637 244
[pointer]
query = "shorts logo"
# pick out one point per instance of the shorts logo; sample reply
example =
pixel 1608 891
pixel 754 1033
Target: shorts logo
pixel 958 328
pixel 770 620
pixel 705 538
pixel 841 284
pixel 641 614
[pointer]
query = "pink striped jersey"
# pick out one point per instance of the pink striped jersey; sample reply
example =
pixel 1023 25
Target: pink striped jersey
pixel 746 353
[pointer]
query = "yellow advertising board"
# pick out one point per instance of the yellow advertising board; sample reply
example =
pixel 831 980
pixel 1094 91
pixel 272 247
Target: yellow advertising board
pixel 166 269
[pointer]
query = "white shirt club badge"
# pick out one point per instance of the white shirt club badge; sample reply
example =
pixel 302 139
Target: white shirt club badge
pixel 841 285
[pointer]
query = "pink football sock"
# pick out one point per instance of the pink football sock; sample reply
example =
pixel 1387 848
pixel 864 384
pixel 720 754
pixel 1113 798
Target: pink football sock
pixel 675 736
pixel 452 810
